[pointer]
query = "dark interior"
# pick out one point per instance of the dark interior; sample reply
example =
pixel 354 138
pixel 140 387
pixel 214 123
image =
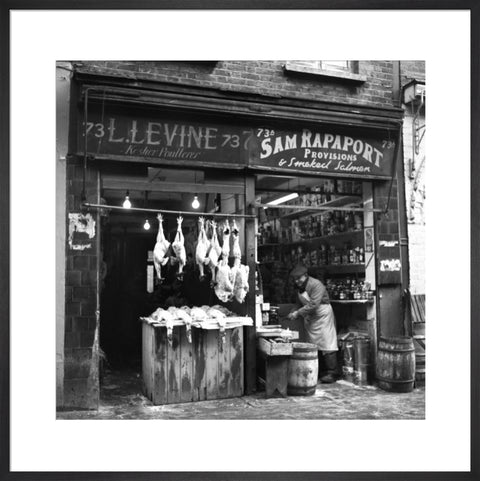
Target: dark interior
pixel 127 249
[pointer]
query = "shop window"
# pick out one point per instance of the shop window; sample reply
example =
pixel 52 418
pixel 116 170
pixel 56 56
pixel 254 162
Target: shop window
pixel 310 222
pixel 323 224
pixel 340 69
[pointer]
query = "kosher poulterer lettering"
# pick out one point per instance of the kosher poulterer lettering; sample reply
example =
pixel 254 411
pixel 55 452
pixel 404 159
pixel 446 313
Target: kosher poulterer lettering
pixel 227 145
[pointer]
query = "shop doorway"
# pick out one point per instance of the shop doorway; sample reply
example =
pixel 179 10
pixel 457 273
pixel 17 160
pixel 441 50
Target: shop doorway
pixel 131 288
pixel 326 224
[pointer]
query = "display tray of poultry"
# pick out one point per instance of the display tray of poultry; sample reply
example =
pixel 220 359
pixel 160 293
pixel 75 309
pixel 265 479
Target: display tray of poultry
pixel 230 323
pixel 153 322
pixel 204 317
pixel 212 323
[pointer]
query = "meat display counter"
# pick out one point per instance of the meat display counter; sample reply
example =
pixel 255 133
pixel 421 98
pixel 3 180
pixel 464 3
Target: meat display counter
pixel 201 361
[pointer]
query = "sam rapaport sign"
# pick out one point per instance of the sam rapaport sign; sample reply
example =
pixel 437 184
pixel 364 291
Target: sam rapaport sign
pixel 159 140
pixel 310 150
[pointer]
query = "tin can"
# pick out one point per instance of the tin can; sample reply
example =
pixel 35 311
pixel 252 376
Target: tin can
pixel 348 365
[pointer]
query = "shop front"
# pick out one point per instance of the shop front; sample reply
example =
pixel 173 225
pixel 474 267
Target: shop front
pixel 227 194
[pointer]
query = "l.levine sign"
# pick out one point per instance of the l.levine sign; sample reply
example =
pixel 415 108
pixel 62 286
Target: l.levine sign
pixel 159 140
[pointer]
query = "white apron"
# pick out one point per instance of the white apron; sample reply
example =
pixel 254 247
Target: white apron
pixel 320 326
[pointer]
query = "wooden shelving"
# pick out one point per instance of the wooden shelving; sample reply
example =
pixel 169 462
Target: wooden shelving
pixel 343 201
pixel 315 239
pixel 332 268
pixel 351 301
pixel 345 268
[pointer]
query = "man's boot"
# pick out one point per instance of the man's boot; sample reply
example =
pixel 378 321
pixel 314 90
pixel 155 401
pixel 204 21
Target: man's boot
pixel 330 359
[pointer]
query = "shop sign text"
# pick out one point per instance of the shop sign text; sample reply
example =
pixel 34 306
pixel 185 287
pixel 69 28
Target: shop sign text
pixel 167 140
pixel 324 152
pixel 191 142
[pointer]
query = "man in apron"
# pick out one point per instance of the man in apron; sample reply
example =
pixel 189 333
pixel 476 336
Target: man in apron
pixel 318 319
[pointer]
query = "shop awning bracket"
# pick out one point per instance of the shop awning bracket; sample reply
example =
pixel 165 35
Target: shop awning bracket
pixel 164 211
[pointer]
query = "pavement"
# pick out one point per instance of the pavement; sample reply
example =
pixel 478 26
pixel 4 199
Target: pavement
pixel 122 398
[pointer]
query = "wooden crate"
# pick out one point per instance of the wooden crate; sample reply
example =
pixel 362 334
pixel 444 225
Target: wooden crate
pixel 211 367
pixel 272 365
pixel 274 347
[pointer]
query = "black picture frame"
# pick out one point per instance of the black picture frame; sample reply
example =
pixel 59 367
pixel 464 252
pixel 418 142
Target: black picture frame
pixel 7 5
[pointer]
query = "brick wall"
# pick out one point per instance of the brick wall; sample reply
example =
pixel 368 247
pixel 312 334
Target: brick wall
pixel 412 69
pixel 265 78
pixel 414 182
pixel 81 332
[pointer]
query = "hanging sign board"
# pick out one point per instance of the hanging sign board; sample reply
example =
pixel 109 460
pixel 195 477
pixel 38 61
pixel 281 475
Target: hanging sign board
pixel 389 264
pixel 148 136
pixel 315 151
pixel 164 141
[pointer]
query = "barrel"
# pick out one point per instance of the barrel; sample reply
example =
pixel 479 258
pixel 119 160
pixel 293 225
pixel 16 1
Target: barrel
pixel 396 364
pixel 361 355
pixel 302 369
pixel 419 368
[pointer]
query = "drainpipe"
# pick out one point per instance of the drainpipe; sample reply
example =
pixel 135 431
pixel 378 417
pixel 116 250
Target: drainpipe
pixel 64 72
pixel 402 205
pixel 396 85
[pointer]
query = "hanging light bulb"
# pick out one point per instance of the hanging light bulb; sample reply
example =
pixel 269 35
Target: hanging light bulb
pixel 126 203
pixel 195 203
pixel 146 226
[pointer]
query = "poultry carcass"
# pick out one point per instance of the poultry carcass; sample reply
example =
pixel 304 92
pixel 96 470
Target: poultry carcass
pixel 221 318
pixel 163 315
pixel 225 241
pixel 240 285
pixel 223 309
pixel 182 315
pixel 237 252
pixel 215 313
pixel 224 286
pixel 178 246
pixel 198 314
pixel 238 272
pixel 186 309
pixel 202 247
pixel 155 315
pixel 214 252
pixel 160 249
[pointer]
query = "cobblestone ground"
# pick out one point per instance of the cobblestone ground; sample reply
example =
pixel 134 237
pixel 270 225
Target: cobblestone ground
pixel 122 398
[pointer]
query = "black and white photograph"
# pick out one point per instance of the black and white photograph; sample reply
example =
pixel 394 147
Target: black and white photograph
pixel 226 234
pixel 241 239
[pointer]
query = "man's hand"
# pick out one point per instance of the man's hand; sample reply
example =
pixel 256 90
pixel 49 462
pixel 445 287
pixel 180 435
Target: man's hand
pixel 292 316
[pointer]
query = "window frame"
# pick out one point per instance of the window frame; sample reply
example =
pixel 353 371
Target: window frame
pixel 322 70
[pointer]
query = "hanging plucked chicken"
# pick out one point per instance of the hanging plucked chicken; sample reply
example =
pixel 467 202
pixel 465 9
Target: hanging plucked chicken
pixel 224 286
pixel 161 247
pixel 214 252
pixel 178 246
pixel 239 272
pixel 201 250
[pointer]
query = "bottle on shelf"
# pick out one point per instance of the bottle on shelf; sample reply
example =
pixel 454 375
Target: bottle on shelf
pixel 346 289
